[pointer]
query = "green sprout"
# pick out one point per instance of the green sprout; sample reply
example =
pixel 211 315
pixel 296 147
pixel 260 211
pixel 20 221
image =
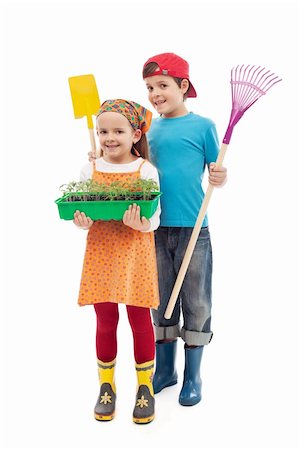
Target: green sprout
pixel 90 190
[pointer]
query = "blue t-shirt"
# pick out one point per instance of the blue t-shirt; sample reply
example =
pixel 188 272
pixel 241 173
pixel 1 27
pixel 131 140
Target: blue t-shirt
pixel 180 148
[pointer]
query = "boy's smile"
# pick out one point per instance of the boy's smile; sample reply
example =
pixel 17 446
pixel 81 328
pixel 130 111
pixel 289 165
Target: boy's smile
pixel 166 96
pixel 159 102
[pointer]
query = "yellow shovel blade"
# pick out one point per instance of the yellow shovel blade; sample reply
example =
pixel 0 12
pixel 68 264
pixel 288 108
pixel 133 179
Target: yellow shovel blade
pixel 85 97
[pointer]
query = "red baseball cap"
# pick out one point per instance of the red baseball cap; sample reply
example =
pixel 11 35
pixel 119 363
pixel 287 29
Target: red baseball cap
pixel 172 65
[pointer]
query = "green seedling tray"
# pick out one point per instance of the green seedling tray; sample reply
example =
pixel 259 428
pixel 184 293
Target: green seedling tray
pixel 106 209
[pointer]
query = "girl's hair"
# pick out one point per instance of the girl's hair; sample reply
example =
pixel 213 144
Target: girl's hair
pixel 151 67
pixel 142 148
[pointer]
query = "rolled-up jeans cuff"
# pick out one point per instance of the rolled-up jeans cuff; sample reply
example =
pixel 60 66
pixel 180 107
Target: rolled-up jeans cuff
pixel 167 332
pixel 196 337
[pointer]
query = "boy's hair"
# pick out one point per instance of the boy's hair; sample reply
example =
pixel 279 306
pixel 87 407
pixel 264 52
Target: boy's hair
pixel 152 67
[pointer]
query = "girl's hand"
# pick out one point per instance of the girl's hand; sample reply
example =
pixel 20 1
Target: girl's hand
pixel 81 221
pixel 132 219
pixel 217 177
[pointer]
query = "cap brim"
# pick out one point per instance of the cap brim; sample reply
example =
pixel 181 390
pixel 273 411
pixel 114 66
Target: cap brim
pixel 192 92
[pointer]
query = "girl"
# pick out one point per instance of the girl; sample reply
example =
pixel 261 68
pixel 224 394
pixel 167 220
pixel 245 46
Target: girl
pixel 120 261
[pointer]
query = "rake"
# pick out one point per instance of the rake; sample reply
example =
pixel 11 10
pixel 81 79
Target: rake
pixel 248 84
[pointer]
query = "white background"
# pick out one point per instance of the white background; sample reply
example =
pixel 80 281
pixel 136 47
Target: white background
pixel 250 370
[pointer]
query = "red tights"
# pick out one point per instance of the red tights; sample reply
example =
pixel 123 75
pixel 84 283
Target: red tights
pixel 142 329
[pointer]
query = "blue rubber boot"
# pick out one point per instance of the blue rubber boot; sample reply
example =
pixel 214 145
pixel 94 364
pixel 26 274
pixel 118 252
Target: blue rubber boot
pixel 165 374
pixel 191 391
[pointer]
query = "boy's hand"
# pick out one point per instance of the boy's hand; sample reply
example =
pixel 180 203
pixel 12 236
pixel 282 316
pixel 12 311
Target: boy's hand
pixel 81 221
pixel 217 177
pixel 92 156
pixel 132 219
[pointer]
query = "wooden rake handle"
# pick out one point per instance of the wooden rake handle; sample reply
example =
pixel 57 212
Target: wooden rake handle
pixel 192 241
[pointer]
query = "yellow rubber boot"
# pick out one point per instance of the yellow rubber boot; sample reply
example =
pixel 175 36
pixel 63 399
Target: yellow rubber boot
pixel 105 406
pixel 144 411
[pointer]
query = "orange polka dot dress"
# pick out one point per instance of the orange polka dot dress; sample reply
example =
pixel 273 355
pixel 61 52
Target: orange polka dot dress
pixel 120 263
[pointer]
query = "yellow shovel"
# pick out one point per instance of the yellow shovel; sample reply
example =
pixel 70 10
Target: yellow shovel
pixel 86 101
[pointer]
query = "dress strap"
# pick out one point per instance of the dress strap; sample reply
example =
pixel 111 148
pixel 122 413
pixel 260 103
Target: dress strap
pixel 94 165
pixel 139 168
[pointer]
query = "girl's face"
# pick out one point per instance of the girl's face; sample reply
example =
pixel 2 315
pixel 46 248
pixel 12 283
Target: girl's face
pixel 116 137
pixel 166 96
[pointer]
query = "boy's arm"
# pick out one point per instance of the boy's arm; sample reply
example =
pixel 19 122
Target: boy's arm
pixel 92 156
pixel 217 176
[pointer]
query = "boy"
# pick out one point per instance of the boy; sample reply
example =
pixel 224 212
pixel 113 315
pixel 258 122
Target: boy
pixel 181 144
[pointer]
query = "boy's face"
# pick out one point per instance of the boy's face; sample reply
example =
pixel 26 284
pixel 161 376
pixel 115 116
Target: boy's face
pixel 166 96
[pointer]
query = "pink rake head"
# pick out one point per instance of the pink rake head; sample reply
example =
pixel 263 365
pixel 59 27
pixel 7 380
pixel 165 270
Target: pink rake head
pixel 248 84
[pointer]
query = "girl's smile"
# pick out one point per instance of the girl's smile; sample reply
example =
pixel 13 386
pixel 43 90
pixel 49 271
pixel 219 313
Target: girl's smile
pixel 111 147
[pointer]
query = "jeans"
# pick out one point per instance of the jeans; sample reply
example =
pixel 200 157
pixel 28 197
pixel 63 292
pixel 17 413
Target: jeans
pixel 194 300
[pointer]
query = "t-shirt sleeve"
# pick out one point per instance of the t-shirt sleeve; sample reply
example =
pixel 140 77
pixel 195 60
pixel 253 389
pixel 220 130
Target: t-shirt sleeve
pixel 211 144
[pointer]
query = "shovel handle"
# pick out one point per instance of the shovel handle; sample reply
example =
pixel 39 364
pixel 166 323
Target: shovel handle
pixel 192 241
pixel 92 140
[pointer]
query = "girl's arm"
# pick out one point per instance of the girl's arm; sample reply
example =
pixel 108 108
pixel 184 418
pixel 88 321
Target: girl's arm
pixel 148 171
pixel 133 220
pixel 132 216
pixel 81 221
pixel 86 172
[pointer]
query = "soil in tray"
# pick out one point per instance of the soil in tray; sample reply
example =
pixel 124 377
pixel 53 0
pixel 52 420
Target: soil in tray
pixel 97 197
